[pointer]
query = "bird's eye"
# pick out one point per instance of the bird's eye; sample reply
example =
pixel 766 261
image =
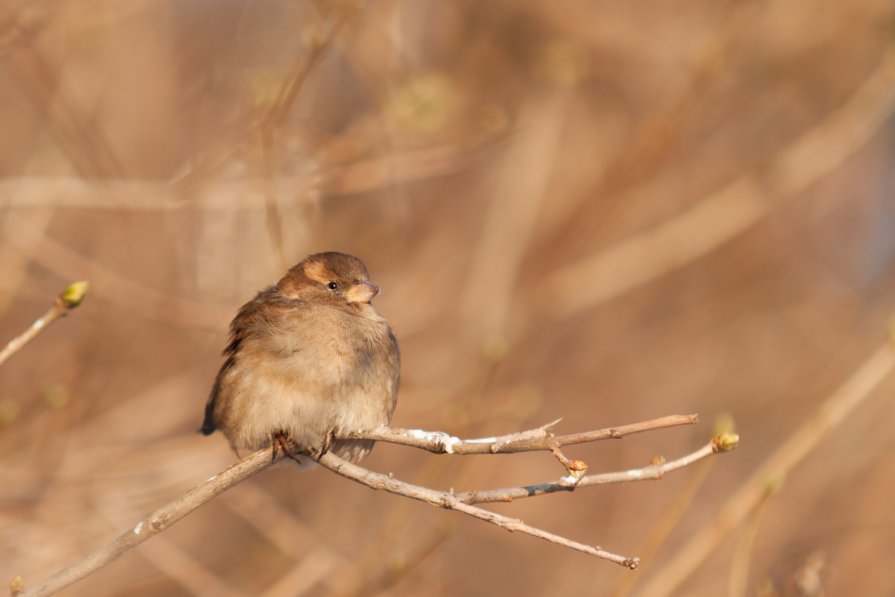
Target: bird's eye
pixel 332 285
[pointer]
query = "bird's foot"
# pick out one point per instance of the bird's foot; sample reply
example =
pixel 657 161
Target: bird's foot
pixel 328 441
pixel 283 442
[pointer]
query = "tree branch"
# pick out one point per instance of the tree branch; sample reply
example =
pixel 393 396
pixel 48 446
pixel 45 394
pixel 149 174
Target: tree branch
pixel 155 523
pixel 67 300
pixel 449 501
pixel 531 440
pixel 724 443
pixel 164 517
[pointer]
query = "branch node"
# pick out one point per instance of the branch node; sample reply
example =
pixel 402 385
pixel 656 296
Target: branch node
pixel 575 469
pixel 443 443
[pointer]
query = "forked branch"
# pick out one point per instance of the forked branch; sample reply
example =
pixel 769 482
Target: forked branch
pixel 538 439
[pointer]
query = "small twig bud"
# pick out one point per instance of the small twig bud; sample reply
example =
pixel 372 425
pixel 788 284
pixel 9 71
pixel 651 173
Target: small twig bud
pixel 16 586
pixel 725 442
pixel 578 466
pixel 74 294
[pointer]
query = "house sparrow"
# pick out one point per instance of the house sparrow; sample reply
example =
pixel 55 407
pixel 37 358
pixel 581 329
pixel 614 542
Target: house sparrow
pixel 309 360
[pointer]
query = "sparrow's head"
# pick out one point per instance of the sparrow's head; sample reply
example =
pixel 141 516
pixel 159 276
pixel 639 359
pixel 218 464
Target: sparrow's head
pixel 332 278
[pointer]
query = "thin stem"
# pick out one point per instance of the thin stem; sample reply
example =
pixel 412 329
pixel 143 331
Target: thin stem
pixel 167 515
pixel 530 440
pixel 450 502
pixel 154 524
pixel 650 472
pixel 67 300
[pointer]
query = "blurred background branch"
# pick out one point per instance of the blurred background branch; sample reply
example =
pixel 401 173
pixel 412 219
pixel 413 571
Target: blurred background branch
pixel 765 481
pixel 599 211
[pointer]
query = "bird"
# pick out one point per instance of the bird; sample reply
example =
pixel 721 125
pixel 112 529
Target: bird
pixel 309 360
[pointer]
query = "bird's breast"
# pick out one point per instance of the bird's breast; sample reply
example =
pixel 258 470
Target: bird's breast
pixel 335 349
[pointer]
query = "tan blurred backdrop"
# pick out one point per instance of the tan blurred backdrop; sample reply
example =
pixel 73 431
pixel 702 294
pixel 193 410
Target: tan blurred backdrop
pixel 592 210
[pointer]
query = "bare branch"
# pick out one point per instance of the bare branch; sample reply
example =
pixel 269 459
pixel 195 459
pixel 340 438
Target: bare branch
pixel 164 517
pixel 653 471
pixel 67 300
pixel 531 440
pixel 154 524
pixel 450 502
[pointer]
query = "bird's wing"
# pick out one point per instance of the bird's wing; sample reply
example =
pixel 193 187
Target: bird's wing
pixel 253 315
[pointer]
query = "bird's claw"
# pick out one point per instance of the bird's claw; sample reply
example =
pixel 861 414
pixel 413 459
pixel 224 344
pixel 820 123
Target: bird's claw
pixel 328 440
pixel 281 441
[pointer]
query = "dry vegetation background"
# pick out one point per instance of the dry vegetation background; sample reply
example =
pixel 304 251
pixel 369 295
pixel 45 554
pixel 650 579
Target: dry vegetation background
pixel 600 211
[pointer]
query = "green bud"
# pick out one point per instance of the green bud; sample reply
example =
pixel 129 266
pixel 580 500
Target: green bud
pixel 74 294
pixel 726 442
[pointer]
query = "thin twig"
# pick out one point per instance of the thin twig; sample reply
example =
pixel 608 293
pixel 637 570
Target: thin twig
pixel 731 210
pixel 289 91
pixel 390 558
pixel 828 417
pixel 154 524
pixel 738 581
pixel 662 529
pixel 275 118
pixel 164 517
pixel 244 194
pixel 650 472
pixel 449 501
pixel 67 300
pixel 531 440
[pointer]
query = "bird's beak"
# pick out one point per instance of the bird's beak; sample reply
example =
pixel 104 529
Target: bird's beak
pixel 362 292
